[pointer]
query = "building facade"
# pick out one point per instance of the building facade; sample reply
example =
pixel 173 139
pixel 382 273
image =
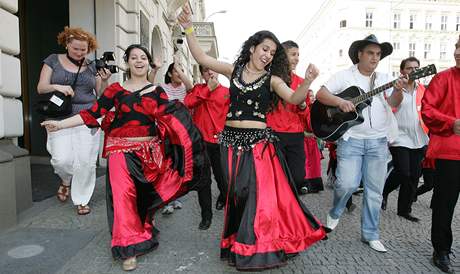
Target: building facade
pixel 421 28
pixel 28 35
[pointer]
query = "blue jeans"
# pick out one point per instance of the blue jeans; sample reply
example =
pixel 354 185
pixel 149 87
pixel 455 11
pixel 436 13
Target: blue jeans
pixel 367 160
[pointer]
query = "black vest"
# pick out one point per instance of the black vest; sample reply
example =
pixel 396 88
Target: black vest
pixel 249 101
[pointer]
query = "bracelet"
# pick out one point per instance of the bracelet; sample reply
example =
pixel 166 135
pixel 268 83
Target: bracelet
pixel 189 30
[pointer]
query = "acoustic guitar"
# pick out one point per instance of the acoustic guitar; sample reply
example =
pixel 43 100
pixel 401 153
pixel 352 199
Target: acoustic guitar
pixel 330 123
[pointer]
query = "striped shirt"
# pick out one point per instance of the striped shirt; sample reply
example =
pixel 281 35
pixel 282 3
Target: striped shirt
pixel 174 93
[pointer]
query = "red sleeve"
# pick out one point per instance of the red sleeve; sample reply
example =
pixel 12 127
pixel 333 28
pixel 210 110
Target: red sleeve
pixel 436 121
pixel 100 107
pixel 196 96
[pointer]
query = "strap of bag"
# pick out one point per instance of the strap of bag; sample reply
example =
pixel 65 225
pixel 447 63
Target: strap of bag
pixel 78 73
pixel 371 86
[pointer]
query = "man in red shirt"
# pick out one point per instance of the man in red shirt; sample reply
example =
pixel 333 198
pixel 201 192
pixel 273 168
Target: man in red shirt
pixel 286 122
pixel 209 104
pixel 441 114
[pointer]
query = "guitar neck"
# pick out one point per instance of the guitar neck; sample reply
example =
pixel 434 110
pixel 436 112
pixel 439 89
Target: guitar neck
pixel 366 96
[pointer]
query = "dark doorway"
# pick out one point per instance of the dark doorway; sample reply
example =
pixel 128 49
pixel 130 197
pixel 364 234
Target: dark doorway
pixel 40 22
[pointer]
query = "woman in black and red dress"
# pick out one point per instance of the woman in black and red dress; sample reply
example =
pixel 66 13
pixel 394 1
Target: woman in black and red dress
pixel 265 221
pixel 144 136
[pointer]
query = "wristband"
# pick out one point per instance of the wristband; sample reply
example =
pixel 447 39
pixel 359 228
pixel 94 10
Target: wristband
pixel 188 30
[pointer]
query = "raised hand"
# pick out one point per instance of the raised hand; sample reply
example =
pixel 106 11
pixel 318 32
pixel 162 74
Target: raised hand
pixel 104 73
pixel 185 17
pixel 213 83
pixel 177 63
pixel 156 64
pixel 311 73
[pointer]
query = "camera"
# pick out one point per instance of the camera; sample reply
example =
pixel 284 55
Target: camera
pixel 102 62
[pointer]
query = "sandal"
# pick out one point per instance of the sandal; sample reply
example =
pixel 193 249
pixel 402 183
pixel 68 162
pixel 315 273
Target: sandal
pixel 63 193
pixel 129 264
pixel 83 209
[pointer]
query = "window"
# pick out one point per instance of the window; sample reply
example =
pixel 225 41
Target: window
pixel 396 21
pixel 411 49
pixel 395 73
pixel 444 22
pixel 457 25
pixel 368 19
pixel 428 22
pixel 426 52
pixel 412 18
pixel 144 30
pixel 343 24
pixel 340 52
pixel 442 51
pixel 396 46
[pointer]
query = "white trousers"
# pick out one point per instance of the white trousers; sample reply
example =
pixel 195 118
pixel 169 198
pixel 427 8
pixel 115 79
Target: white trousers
pixel 73 156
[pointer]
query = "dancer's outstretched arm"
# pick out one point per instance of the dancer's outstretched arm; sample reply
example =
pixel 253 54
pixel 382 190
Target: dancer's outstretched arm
pixel 200 56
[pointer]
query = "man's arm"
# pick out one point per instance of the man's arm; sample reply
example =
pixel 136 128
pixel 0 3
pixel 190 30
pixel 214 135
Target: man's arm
pixel 327 98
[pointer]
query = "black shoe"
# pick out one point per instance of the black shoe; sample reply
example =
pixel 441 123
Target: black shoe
pixel 204 224
pixel 302 191
pixel 384 203
pixel 220 205
pixel 409 217
pixel 313 191
pixel 351 207
pixel 442 261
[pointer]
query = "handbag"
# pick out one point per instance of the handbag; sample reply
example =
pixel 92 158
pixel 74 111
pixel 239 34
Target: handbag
pixel 56 104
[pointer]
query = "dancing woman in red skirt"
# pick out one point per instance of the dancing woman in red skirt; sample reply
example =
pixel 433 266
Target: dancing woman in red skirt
pixel 154 153
pixel 265 221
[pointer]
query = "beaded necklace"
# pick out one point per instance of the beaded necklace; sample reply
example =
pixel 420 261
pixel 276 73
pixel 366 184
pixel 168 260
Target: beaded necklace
pixel 238 81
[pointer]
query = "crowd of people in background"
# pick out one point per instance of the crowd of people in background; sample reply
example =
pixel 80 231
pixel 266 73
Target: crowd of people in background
pixel 255 140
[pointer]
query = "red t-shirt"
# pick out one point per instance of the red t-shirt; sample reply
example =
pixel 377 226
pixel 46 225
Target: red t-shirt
pixel 287 117
pixel 209 109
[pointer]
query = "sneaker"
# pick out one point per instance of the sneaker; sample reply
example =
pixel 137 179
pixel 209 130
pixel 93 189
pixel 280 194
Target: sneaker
pixel 442 261
pixel 331 223
pixel 177 204
pixel 167 210
pixel 377 245
pixel 303 190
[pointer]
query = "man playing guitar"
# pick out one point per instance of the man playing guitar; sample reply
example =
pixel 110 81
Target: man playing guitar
pixel 363 150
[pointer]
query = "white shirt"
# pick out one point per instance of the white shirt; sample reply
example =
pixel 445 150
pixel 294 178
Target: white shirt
pixel 377 126
pixel 174 93
pixel 411 134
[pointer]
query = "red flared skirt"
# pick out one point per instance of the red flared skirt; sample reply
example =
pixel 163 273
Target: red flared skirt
pixel 313 156
pixel 144 176
pixel 264 219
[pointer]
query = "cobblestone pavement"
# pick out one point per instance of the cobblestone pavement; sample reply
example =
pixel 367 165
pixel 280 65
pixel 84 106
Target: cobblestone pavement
pixel 51 238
